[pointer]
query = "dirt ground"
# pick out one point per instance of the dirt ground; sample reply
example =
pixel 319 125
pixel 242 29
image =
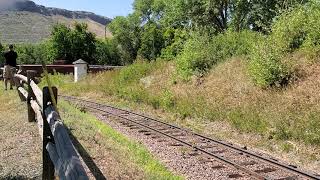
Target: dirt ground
pixel 20 144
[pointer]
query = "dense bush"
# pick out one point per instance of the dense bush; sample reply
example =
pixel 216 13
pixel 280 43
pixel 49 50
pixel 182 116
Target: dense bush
pixel 201 52
pixel 174 40
pixel 265 64
pixel 297 29
pixel 134 72
pixel 33 53
pixel 107 53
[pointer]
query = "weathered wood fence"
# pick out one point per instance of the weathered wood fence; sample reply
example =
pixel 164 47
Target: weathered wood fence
pixel 59 155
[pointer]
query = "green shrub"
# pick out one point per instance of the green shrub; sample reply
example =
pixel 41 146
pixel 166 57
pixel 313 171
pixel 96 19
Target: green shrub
pixel 312 43
pixel 265 65
pixel 107 53
pixel 294 30
pixel 167 100
pixel 134 72
pixel 33 53
pixel 298 28
pixel 174 43
pixel 201 52
pixel 195 57
pixel 288 32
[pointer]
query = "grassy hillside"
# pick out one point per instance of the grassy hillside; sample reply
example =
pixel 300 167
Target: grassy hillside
pixel 27 27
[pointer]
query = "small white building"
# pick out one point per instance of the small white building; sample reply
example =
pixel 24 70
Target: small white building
pixel 80 70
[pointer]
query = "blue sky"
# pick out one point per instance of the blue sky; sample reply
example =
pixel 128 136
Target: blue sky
pixel 109 8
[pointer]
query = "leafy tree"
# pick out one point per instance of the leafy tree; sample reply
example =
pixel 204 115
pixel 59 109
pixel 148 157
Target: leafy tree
pixel 61 44
pixel 126 33
pixel 73 44
pixel 107 53
pixel 209 14
pixel 259 15
pixel 174 40
pixel 32 53
pixel 151 41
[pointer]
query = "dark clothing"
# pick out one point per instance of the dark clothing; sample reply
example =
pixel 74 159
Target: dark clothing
pixel 11 58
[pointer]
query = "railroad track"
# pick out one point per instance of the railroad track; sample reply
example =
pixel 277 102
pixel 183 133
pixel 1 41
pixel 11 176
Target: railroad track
pixel 253 165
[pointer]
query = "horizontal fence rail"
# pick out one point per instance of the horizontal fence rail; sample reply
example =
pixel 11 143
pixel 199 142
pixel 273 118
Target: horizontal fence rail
pixel 59 154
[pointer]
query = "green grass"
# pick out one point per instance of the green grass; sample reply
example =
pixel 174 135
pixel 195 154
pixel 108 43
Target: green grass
pixel 133 154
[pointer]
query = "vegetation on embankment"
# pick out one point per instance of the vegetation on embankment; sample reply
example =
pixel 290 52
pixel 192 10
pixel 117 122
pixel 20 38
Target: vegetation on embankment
pixel 282 119
pixel 115 155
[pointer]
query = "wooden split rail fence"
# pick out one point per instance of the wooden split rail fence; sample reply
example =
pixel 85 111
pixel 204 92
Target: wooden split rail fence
pixel 59 155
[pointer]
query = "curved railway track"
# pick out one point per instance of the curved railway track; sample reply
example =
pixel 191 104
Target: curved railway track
pixel 252 164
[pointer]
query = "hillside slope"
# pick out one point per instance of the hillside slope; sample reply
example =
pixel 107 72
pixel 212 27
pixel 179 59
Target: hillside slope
pixel 26 22
pixel 225 104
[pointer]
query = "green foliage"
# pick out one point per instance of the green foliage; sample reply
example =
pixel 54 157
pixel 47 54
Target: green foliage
pixel 151 41
pixel 265 65
pixel 33 53
pixel 134 72
pixel 107 53
pixel 294 30
pixel 1 56
pixel 167 100
pixel 196 56
pixel 298 28
pixel 201 52
pixel 259 15
pixel 162 26
pixel 126 33
pixel 174 43
pixel 73 44
pixel 289 31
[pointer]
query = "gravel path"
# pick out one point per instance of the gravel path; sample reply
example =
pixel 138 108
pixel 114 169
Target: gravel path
pixel 20 144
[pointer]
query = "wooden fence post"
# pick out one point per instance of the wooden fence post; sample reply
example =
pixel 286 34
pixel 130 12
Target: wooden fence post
pixel 31 114
pixel 18 85
pixel 48 166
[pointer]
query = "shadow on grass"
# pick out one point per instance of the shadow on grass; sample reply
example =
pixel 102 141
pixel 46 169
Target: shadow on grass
pixel 86 158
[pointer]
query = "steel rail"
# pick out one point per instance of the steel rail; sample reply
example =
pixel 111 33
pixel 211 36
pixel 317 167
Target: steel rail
pixel 270 161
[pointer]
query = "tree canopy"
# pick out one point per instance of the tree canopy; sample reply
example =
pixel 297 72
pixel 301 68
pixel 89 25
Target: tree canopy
pixel 73 44
pixel 144 33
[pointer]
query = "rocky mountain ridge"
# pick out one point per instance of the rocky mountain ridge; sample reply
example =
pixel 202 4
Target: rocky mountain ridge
pixel 30 6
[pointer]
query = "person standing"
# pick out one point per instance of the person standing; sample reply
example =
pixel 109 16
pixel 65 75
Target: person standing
pixel 9 66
